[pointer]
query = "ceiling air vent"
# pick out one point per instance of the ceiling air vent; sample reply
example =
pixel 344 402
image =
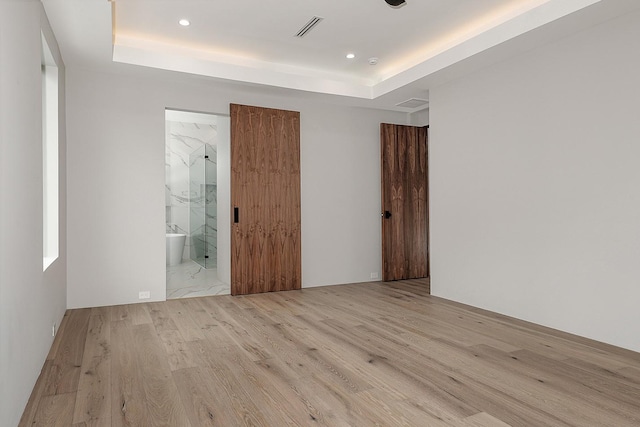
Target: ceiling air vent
pixel 413 103
pixel 309 26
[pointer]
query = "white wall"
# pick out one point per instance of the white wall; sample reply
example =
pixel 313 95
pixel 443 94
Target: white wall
pixel 419 118
pixel 535 201
pixel 116 181
pixel 224 199
pixel 30 300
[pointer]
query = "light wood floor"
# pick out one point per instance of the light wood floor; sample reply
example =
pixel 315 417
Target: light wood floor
pixel 370 354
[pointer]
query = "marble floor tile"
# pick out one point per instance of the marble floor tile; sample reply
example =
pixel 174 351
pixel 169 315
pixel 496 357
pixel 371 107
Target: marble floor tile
pixel 189 279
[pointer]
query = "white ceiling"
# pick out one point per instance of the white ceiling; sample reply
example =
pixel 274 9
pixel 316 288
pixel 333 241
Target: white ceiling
pixel 252 41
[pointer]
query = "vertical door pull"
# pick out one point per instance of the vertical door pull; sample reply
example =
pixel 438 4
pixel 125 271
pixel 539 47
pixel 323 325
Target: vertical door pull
pixel 236 215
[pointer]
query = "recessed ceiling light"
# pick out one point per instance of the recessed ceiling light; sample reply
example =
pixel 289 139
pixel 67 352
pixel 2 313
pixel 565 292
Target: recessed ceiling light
pixel 184 22
pixel 351 55
pixel 373 60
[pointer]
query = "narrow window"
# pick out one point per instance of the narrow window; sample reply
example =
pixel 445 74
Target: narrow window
pixel 50 223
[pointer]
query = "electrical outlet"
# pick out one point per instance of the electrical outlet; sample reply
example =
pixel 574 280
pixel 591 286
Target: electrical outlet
pixel 53 330
pixel 374 275
pixel 144 295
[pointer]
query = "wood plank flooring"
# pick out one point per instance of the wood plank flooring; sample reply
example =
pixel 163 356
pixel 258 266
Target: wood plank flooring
pixel 369 354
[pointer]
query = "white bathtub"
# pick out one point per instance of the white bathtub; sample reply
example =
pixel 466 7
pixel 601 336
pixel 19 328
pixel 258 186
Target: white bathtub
pixel 175 248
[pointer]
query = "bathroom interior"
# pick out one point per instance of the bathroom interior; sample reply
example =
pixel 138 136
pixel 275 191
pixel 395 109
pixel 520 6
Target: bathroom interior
pixel 197 199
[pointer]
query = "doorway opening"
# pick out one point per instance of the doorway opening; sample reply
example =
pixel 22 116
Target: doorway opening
pixel 197 201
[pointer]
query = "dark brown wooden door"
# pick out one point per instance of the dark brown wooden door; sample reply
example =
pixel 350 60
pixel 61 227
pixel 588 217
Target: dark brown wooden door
pixel 265 200
pixel 404 202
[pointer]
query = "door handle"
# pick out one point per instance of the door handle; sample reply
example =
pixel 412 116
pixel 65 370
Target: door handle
pixel 236 215
pixel 387 214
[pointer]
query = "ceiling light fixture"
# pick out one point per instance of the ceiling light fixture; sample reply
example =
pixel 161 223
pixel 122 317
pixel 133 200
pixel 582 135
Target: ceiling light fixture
pixel 396 3
pixel 373 60
pixel 184 22
pixel 351 55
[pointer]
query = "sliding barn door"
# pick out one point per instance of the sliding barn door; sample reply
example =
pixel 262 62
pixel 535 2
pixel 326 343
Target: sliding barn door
pixel 265 198
pixel 404 202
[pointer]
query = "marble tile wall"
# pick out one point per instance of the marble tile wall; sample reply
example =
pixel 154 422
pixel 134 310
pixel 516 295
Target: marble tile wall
pixel 185 195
